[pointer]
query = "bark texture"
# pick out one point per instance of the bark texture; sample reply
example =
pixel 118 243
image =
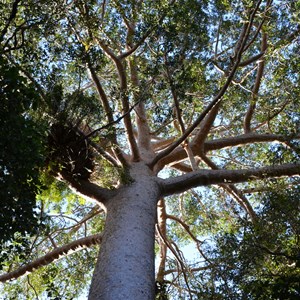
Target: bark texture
pixel 125 267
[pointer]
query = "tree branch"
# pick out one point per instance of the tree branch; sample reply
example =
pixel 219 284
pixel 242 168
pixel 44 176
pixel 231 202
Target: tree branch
pixel 250 138
pixel 56 254
pixel 259 27
pixel 87 189
pixel 208 177
pixel 133 48
pixel 162 143
pixel 233 191
pixel 245 139
pixel 259 74
pixel 185 227
pixel 124 98
pixel 205 127
pixel 11 17
pixel 176 253
pixel 141 117
pixel 162 227
pixel 185 168
pixel 170 271
pixel 251 60
pixel 100 91
pixel 181 129
pixel 239 50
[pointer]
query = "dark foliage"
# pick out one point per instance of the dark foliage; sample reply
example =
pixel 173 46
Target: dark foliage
pixel 69 152
pixel 21 156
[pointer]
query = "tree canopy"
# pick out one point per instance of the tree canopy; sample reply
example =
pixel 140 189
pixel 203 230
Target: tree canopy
pixel 203 94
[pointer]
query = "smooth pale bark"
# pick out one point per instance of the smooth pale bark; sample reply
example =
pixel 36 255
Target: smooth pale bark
pixel 208 177
pixel 125 267
pixel 179 154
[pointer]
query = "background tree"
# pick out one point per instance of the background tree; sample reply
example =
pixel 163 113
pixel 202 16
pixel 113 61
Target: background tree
pixel 175 122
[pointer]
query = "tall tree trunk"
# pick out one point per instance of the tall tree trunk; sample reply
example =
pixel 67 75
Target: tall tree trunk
pixel 125 267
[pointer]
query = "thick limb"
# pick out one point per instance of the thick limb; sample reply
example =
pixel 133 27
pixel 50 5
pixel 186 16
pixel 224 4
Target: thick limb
pixel 208 177
pixel 233 191
pixel 87 189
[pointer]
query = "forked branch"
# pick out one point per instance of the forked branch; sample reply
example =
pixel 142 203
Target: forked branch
pixel 124 97
pixel 237 141
pixel 239 51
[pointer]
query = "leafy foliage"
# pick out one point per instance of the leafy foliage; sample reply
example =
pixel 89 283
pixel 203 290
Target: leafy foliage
pixel 262 261
pixel 77 76
pixel 21 154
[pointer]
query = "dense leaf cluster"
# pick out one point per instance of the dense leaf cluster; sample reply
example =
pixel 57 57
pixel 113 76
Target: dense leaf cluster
pixel 186 49
pixel 261 261
pixel 21 153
